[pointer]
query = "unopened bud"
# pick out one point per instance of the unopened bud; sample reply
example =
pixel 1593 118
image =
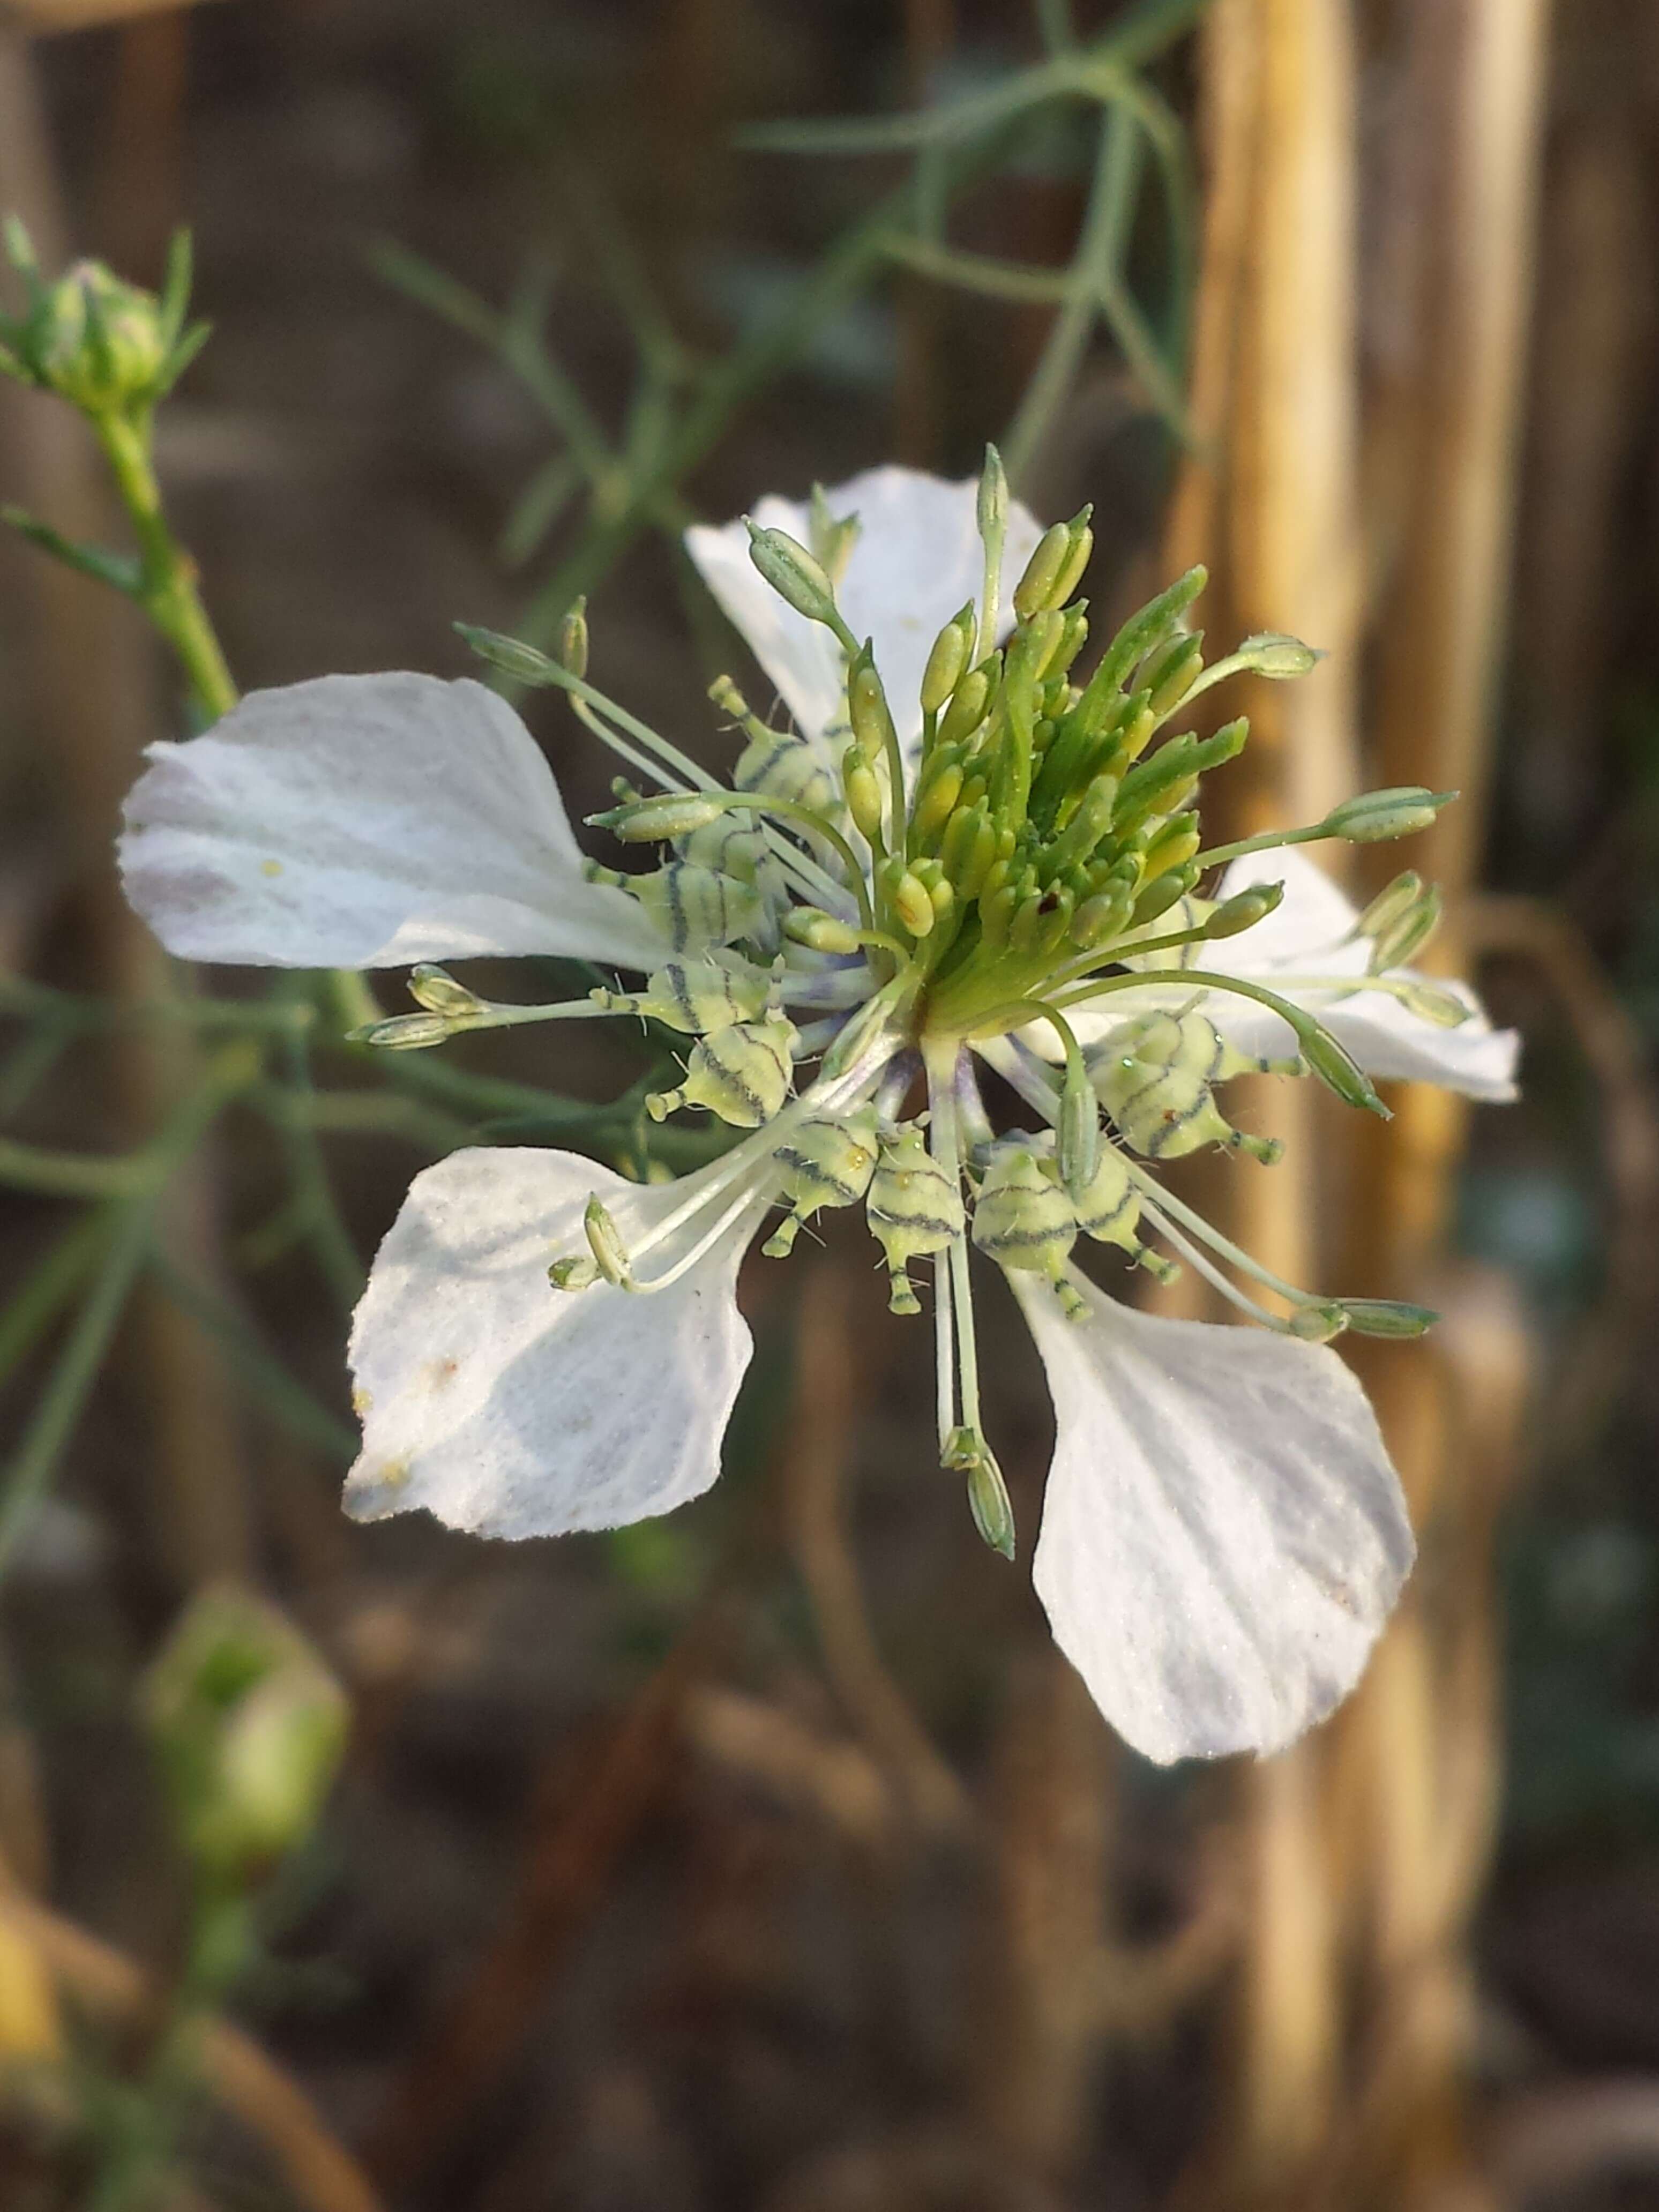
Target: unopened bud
pixel 794 574
pixel 1376 816
pixel 1243 910
pixel 606 1243
pixel 947 663
pixel 248 1726
pixel 1273 654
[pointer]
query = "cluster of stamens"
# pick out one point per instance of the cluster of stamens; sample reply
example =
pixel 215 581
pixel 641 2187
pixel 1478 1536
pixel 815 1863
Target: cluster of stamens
pixel 895 914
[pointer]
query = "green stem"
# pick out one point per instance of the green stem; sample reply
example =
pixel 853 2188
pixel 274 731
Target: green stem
pixel 167 590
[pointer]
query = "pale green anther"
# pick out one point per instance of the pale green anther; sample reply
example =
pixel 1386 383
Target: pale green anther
pixel 576 1273
pixel 947 663
pixel 573 640
pixel 403 1032
pixel 1387 1318
pixel 1374 817
pixel 913 904
pixel 1098 920
pixel 794 575
pixel 1080 546
pixel 1173 845
pixel 867 710
pixel 1243 910
pixel 1090 823
pixel 1156 1077
pixel 1337 1070
pixel 1318 1323
pixel 670 814
pixel 832 541
pixel 1430 1003
pixel 1077 1134
pixel 968 850
pixel 1407 935
pixel 936 800
pixel 991 510
pixel 865 799
pixel 436 989
pixel 915 1209
pixel 1038 645
pixel 1276 655
pixel 521 662
pixel 692 907
pixel 1073 638
pixel 820 931
pixel 969 703
pixel 606 1243
pixel 1047 559
pixel 1390 905
pixel 1162 893
pixel 965 1451
pixel 1176 677
pixel 742 1074
pixel 825 1162
pixel 695 996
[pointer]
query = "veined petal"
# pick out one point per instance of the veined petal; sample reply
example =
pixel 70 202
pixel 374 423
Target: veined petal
pixel 367 821
pixel 510 1408
pixel 916 561
pixel 1223 1535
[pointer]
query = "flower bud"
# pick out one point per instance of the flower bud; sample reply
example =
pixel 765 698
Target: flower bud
pixel 1376 816
pixel 573 638
pixel 1243 910
pixel 103 345
pixel 948 661
pixel 794 574
pixel 248 1726
pixel 1276 656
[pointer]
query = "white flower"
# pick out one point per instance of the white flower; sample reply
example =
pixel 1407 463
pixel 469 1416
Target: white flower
pixel 898 898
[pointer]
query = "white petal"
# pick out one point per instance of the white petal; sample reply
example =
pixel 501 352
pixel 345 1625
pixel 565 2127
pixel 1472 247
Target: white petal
pixel 1304 936
pixel 367 821
pixel 917 559
pixel 1223 1535
pixel 503 1405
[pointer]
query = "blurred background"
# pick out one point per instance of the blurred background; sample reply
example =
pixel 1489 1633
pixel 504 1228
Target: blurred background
pixel 768 1857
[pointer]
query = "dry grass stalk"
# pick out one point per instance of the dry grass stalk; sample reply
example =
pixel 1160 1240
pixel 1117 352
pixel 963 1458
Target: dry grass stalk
pixel 94 686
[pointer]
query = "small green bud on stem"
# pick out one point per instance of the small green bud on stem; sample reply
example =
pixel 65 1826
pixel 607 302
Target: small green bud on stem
pixel 1375 816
